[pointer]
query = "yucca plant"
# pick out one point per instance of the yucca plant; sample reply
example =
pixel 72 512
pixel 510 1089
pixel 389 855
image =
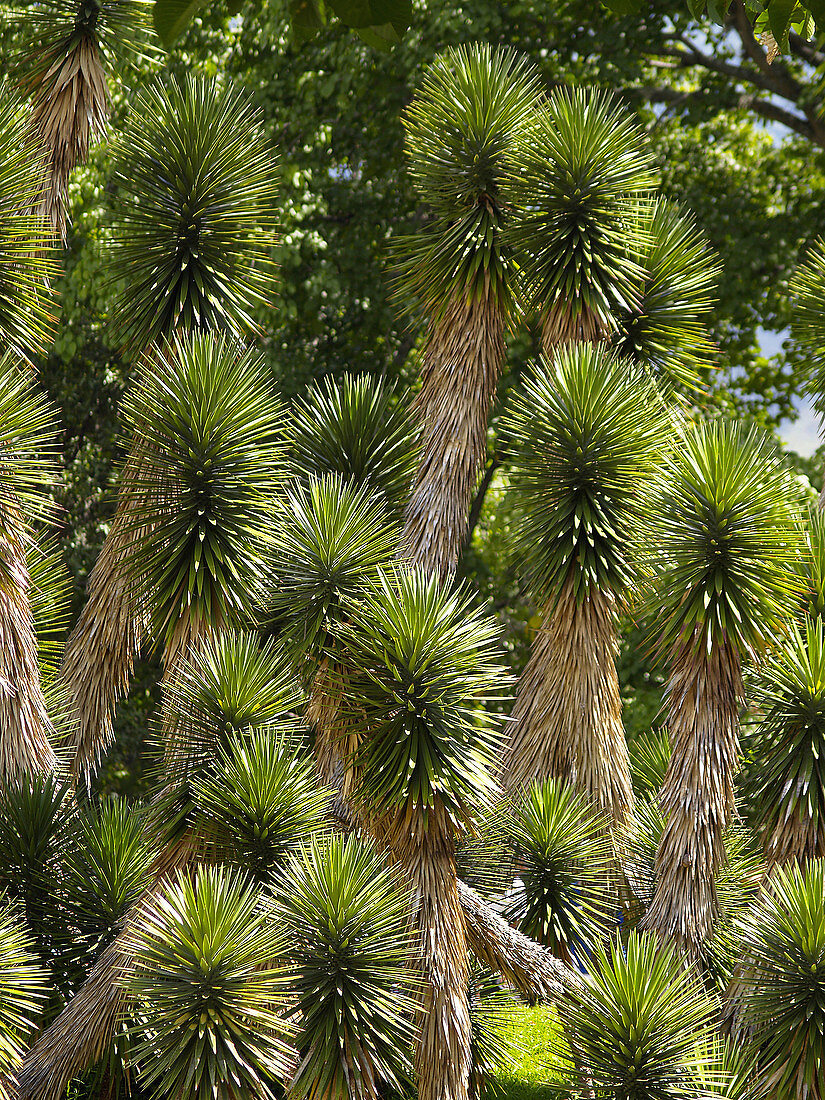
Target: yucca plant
pixel 812 565
pixel 195 217
pixel 586 433
pixel 204 419
pixel 260 802
pixel 576 176
pixel 562 897
pixel 789 744
pixel 208 989
pixel 649 758
pixel 194 228
pixel 721 548
pixel 27 447
pixel 808 324
pixel 50 595
pixel 667 331
pixel 66 45
pixel 359 428
pixel 460 128
pixel 23 987
pixel 637 1023
pixel 783 983
pixel 419 664
pixel 26 245
pixel 342 912
pixel 493 1047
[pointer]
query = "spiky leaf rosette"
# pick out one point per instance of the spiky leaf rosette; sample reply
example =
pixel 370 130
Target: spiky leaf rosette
pixel 61 64
pixel 808 321
pixel 784 982
pixel 208 989
pixel 232 684
pixel 208 421
pixel 722 542
pixel 260 801
pixel 493 1047
pixel 667 330
pixel 50 597
pixel 420 663
pixel 26 244
pixel 460 128
pixel 332 540
pixel 343 916
pixel 360 429
pixel 790 745
pixel 574 184
pixel 586 434
pixel 812 565
pixel 649 757
pixel 195 216
pixel 472 104
pixel 637 1023
pixel 564 854
pixel 106 868
pixel 23 989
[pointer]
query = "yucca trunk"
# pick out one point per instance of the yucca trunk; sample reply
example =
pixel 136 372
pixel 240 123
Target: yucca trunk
pixel 24 723
pixel 567 718
pixel 697 798
pixel 799 838
pixel 100 653
pixel 71 104
pixel 462 363
pixel 561 325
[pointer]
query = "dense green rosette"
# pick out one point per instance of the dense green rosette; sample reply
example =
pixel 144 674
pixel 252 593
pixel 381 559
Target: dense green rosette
pixel 420 663
pixel 789 743
pixel 343 914
pixel 574 183
pixel 260 801
pixel 208 990
pixel 722 540
pixel 667 331
pixel 23 989
pixel 808 322
pixel 649 757
pixel 461 127
pixel 206 421
pixel 28 446
pixel 783 982
pixel 811 565
pixel 360 429
pixel 26 244
pixel 563 852
pixel 51 29
pixel 637 1023
pixel 586 433
pixel 195 215
pixel 332 540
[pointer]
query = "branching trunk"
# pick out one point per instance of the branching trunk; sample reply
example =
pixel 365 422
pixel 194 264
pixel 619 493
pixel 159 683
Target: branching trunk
pixel 697 799
pixel 567 718
pixel 462 362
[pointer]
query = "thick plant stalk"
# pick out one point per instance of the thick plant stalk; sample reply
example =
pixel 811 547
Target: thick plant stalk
pixel 560 325
pixel 24 724
pixel 567 718
pixel 71 105
pixel 462 363
pixel 697 796
pixel 101 650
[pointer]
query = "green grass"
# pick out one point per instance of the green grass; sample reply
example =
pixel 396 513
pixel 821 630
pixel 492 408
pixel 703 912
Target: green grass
pixel 532 1033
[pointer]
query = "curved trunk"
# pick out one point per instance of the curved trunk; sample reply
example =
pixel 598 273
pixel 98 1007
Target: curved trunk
pixel 24 723
pixel 697 801
pixel 463 358
pixel 567 718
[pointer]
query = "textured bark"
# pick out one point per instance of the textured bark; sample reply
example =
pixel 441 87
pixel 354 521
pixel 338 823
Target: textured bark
pixel 70 105
pixel 560 326
pixel 567 718
pixel 697 799
pixel 101 650
pixel 24 723
pixel 462 362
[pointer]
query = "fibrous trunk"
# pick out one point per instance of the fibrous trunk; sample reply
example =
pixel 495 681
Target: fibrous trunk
pixel 561 325
pixel 567 718
pixel 462 362
pixel 71 103
pixel 24 724
pixel 101 650
pixel 697 798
